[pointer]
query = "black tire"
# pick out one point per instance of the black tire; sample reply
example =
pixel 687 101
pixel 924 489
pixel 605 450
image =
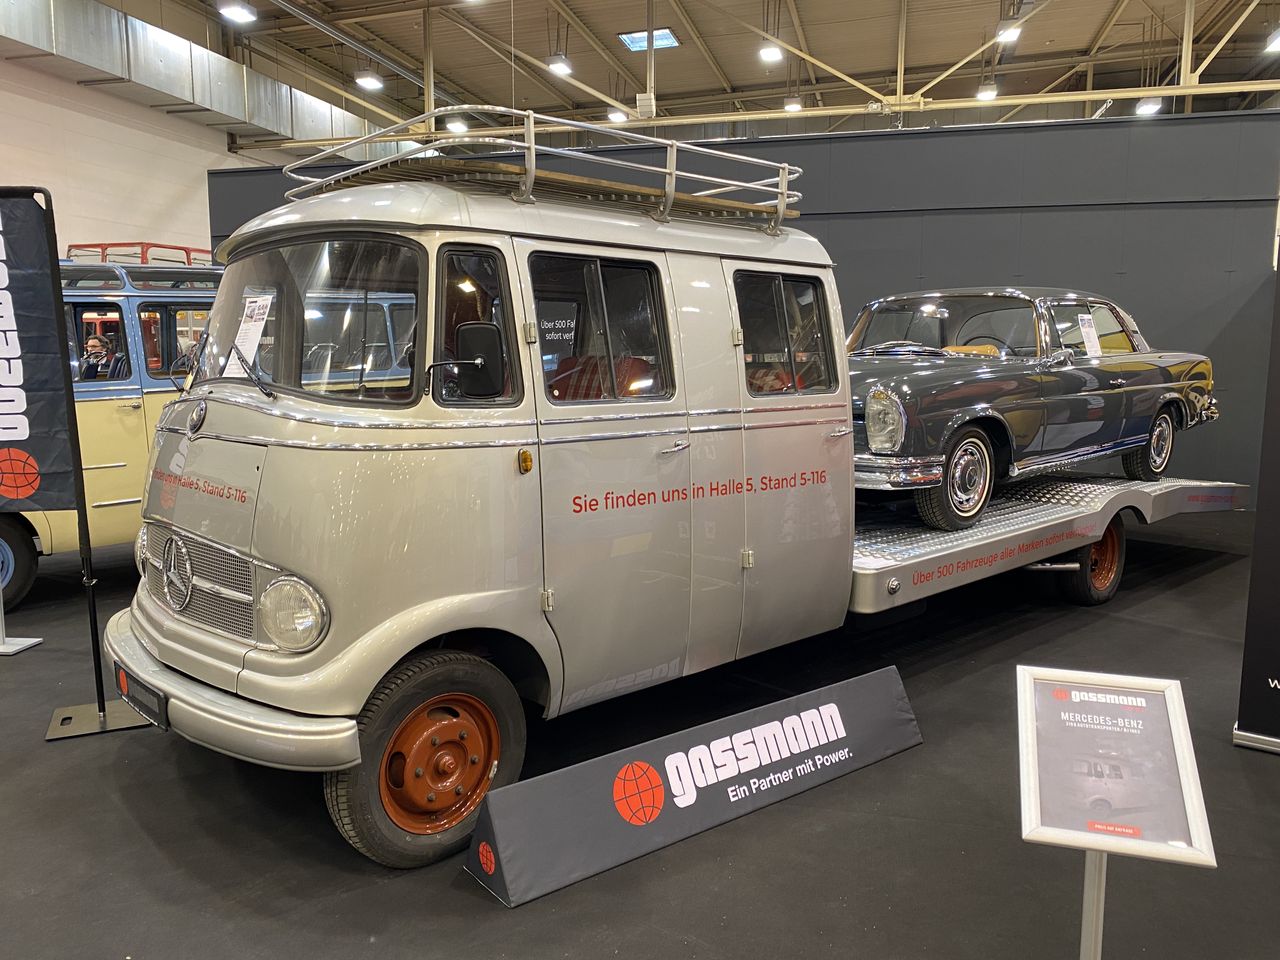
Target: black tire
pixel 1150 461
pixel 968 475
pixel 355 796
pixel 1101 568
pixel 19 548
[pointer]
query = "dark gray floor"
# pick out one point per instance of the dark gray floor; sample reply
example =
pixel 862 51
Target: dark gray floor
pixel 141 845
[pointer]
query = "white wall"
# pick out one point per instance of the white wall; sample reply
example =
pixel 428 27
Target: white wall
pixel 117 170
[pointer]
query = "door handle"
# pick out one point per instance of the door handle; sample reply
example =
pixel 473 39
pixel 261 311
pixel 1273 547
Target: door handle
pixel 837 434
pixel 675 448
pixel 1117 382
pixel 131 405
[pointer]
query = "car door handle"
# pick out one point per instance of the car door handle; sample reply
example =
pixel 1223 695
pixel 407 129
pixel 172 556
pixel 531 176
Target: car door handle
pixel 1117 381
pixel 131 405
pixel 674 448
pixel 837 434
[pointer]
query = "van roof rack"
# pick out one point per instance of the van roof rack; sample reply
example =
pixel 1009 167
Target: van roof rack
pixel 511 164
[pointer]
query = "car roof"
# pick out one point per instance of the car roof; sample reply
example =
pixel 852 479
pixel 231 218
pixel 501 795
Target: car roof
pixel 1024 293
pixel 89 276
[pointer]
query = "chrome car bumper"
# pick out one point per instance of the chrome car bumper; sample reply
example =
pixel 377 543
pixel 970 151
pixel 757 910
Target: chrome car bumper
pixel 1208 411
pixel 872 471
pixel 233 725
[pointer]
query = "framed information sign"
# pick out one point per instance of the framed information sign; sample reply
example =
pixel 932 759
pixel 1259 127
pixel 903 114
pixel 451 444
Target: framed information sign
pixel 1107 764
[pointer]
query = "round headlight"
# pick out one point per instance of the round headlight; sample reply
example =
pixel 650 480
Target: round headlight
pixel 886 421
pixel 140 551
pixel 292 615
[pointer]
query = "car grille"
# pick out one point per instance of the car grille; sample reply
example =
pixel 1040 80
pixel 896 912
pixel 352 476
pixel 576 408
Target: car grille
pixel 221 588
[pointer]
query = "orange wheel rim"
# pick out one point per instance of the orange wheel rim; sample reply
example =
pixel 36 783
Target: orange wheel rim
pixel 1104 559
pixel 438 764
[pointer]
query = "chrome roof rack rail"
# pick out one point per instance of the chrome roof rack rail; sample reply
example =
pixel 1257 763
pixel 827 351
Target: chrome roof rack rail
pixel 509 159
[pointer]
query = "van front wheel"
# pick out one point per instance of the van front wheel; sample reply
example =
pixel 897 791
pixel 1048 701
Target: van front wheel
pixel 18 561
pixel 436 735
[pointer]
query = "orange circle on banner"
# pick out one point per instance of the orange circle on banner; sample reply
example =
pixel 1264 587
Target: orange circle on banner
pixel 638 793
pixel 19 474
pixel 488 862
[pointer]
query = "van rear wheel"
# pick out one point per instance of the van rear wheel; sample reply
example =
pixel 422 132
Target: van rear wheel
pixel 18 561
pixel 437 734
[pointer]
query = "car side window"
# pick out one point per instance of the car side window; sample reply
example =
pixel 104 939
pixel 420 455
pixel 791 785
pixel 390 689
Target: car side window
pixel 786 344
pixel 600 329
pixel 473 289
pixel 171 335
pixel 1090 330
pixel 96 342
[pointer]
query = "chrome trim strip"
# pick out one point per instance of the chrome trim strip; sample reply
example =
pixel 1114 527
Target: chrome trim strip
pixel 169 389
pixel 716 428
pixel 794 423
pixel 208 586
pixel 718 412
pixel 184 532
pixel 103 466
pixel 361 422
pixel 1032 465
pixel 116 503
pixel 792 408
pixel 87 385
pixel 308 445
pixel 609 417
pixel 588 437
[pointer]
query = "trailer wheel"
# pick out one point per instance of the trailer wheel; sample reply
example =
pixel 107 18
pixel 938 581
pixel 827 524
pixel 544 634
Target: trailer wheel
pixel 967 478
pixel 1149 461
pixel 1101 567
pixel 436 735
pixel 18 561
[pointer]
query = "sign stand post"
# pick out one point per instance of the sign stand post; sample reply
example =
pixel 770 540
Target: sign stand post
pixel 11 645
pixel 1095 901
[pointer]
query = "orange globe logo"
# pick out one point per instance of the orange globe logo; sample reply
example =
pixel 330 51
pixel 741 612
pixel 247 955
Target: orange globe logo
pixel 488 862
pixel 19 474
pixel 638 793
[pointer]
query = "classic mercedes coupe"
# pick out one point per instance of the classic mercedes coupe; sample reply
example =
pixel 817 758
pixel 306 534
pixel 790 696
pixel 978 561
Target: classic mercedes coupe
pixel 957 390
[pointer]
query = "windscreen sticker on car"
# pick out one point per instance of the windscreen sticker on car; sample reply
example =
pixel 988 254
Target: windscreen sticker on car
pixel 252 322
pixel 1090 333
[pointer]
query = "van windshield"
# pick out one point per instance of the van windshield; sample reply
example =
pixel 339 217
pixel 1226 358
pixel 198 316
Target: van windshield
pixel 337 318
pixel 978 325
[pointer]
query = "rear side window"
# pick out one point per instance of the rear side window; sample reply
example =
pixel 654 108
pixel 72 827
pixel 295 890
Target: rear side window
pixel 1090 330
pixel 600 329
pixel 786 343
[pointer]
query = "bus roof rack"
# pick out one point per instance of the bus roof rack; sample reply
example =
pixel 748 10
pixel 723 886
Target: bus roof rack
pixel 511 163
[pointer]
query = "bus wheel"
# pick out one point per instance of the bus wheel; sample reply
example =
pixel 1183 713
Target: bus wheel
pixel 18 561
pixel 436 735
pixel 1101 567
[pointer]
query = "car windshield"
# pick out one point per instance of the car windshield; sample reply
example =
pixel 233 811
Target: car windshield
pixel 337 318
pixel 975 325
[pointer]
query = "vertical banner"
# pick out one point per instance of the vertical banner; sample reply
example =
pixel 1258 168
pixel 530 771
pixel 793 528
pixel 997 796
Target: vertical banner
pixel 1258 718
pixel 38 461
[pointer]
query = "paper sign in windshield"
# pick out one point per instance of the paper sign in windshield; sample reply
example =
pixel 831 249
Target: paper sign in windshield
pixel 1092 346
pixel 252 322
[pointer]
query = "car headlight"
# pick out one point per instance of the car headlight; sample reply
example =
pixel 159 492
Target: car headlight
pixel 292 615
pixel 140 551
pixel 886 421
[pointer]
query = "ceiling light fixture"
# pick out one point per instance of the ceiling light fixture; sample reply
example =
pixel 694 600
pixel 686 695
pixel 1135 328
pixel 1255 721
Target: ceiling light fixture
pixel 617 116
pixel 1147 106
pixel 638 40
pixel 456 125
pixel 237 12
pixel 1008 31
pixel 368 80
pixel 771 53
pixel 559 65
pixel 987 91
pixel 1273 42
pixel 793 104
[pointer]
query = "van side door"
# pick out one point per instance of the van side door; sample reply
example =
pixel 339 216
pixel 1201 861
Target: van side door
pixel 614 463
pixel 797 452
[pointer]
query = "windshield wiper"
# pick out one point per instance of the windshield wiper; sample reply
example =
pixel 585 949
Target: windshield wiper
pixel 910 346
pixel 249 372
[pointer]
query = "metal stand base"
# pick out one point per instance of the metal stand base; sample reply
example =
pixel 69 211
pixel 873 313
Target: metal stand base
pixel 11 645
pixel 84 719
pixel 1255 741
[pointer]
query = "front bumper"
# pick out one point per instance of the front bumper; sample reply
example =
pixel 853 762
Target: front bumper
pixel 873 471
pixel 1208 411
pixel 233 725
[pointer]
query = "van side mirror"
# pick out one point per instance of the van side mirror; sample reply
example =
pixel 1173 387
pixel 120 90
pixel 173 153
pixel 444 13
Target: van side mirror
pixel 482 370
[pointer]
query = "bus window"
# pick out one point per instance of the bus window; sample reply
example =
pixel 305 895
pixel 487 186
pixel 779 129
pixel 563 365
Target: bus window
pixel 96 342
pixel 171 335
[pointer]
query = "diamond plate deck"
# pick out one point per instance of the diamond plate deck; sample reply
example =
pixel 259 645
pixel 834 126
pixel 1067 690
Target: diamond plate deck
pixel 897 559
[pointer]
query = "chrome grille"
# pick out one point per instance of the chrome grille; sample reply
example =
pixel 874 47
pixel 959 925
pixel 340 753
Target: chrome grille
pixel 214 571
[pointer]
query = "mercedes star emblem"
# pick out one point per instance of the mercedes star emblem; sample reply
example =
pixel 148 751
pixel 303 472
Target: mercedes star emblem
pixel 176 569
pixel 195 420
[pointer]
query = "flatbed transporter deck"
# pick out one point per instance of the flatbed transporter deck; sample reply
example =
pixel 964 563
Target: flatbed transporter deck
pixel 897 560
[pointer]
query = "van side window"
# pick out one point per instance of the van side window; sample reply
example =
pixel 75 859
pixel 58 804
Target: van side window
pixel 599 329
pixel 96 341
pixel 785 341
pixel 171 335
pixel 472 290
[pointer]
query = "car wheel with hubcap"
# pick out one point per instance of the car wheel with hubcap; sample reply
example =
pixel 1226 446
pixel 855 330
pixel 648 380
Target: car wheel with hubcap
pixel 1101 567
pixel 1149 461
pixel 967 479
pixel 436 735
pixel 18 561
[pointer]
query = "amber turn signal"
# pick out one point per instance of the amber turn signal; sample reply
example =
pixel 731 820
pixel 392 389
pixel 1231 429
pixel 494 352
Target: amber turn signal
pixel 525 460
